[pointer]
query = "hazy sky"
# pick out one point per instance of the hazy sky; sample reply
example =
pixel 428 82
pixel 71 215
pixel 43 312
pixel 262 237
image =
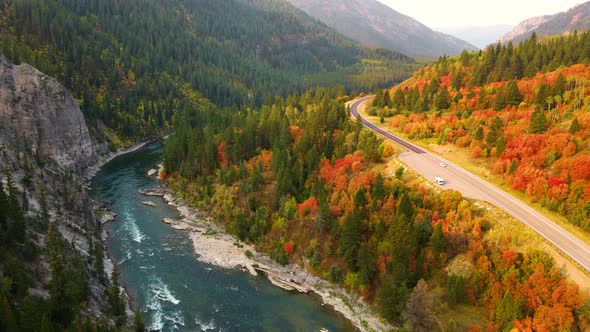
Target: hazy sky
pixel 454 13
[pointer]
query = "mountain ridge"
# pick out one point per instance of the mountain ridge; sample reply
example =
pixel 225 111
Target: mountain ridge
pixel 576 18
pixel 382 26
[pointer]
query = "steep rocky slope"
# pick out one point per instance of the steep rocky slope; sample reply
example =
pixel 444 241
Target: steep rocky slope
pixel 45 152
pixel 375 24
pixel 39 116
pixel 575 19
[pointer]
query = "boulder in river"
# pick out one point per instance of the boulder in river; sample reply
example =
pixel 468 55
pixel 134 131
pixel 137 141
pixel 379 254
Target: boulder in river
pixel 148 203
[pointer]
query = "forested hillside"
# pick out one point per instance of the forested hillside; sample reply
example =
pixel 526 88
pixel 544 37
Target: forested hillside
pixel 133 64
pixel 305 183
pixel 523 110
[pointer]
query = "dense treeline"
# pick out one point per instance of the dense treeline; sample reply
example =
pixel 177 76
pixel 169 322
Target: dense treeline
pixel 532 126
pixel 302 181
pixel 133 64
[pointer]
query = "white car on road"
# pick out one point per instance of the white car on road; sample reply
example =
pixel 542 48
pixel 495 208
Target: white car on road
pixel 443 165
pixel 440 181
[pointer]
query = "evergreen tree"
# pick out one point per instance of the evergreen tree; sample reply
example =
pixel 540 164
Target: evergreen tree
pixel 391 298
pixel 16 226
pixel 7 317
pixel 99 261
pixel 538 122
pixel 405 206
pixel 500 145
pixel 508 310
pixel 456 290
pixel 399 99
pixel 513 96
pixel 478 134
pixel 386 99
pixel 574 127
pixel 60 298
pixel 495 131
pixel 560 85
pixel 439 241
pixel 116 301
pixel 350 239
pixel 443 99
pixel 138 324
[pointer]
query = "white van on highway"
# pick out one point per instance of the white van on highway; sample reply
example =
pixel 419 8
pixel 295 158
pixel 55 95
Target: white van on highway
pixel 438 180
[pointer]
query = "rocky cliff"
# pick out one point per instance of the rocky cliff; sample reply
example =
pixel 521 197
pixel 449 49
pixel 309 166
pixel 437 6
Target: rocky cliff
pixel 37 114
pixel 45 152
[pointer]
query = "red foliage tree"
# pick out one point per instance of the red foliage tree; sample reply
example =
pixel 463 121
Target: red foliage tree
pixel 308 207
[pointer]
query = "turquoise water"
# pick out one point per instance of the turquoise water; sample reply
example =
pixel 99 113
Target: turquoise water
pixel 174 291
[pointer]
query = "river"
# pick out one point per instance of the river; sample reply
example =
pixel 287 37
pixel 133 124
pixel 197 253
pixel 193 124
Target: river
pixel 174 291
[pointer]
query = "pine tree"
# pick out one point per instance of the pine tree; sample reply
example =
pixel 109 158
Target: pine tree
pixel 7 317
pixel 391 298
pixel 478 134
pixel 44 209
pixel 574 127
pixel 513 167
pixel 405 206
pixel 360 200
pixel 443 99
pixel 46 324
pixel 386 99
pixel 59 293
pixel 508 310
pixel 138 324
pixel 538 122
pixel 495 131
pixel 366 264
pixel 99 261
pixel 115 299
pixel 500 145
pixel 16 227
pixel 378 191
pixel 3 213
pixel 513 96
pixel 350 239
pixel 560 85
pixel 398 99
pixel 438 242
pixel 456 290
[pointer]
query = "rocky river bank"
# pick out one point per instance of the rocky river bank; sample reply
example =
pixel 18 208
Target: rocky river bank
pixel 213 246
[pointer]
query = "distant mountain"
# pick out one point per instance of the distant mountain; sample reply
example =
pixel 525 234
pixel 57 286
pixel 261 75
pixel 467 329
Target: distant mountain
pixel 480 36
pixel 575 19
pixel 375 24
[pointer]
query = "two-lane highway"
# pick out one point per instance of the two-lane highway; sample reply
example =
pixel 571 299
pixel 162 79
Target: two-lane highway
pixel 428 165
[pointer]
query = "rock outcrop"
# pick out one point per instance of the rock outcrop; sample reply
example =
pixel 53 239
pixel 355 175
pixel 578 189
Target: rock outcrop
pixel 38 115
pixel 46 148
